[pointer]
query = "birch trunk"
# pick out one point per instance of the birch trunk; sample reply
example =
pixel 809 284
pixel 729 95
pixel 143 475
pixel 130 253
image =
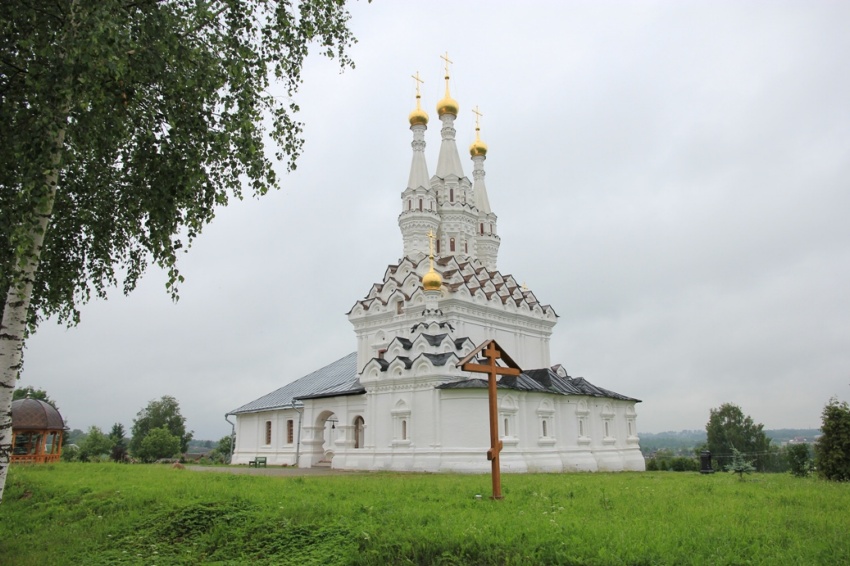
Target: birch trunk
pixel 16 310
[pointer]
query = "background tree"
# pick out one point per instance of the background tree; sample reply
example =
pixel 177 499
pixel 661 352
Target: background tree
pixel 164 412
pixel 729 428
pixel 95 446
pixel 799 459
pixel 119 446
pixel 832 451
pixel 124 125
pixel 34 393
pixel 221 452
pixel 158 443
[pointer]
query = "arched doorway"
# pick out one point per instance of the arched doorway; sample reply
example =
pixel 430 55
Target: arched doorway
pixel 359 424
pixel 327 431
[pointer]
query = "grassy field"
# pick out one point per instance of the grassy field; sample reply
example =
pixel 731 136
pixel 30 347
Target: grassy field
pixel 88 514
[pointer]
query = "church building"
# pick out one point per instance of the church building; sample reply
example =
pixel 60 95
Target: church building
pixel 400 401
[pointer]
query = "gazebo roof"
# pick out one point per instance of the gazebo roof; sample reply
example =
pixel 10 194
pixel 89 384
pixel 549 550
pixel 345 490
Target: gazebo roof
pixel 35 414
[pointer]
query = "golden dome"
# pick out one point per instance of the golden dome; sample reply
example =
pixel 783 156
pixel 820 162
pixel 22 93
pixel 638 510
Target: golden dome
pixel 447 105
pixel 478 147
pixel 418 117
pixel 432 281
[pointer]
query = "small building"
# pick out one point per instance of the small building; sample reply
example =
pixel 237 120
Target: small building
pixel 37 429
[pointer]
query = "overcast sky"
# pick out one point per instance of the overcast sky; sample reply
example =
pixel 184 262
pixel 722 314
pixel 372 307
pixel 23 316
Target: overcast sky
pixel 672 177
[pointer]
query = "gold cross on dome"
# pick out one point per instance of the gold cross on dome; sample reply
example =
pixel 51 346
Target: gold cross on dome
pixel 431 243
pixel 418 82
pixel 478 115
pixel 448 62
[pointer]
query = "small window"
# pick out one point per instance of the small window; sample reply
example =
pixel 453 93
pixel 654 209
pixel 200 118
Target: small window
pixel 290 431
pixel 381 353
pixel 545 432
pixel 507 432
pixel 581 427
pixel 606 429
pixel 404 429
pixel 451 195
pixel 451 244
pixel 409 204
pixel 420 205
pixel 481 226
pixel 438 246
pixel 268 432
pixel 465 247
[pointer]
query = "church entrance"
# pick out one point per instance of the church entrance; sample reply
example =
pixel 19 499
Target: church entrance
pixel 326 426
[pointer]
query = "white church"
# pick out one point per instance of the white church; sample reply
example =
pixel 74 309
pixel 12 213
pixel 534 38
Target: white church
pixel 400 401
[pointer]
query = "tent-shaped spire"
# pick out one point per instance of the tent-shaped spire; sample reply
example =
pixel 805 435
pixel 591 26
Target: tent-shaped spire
pixel 448 162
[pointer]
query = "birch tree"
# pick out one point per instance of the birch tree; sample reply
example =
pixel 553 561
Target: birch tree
pixel 123 126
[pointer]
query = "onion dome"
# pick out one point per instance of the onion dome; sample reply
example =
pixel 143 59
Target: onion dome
pixel 418 117
pixel 447 105
pixel 432 281
pixel 35 414
pixel 477 148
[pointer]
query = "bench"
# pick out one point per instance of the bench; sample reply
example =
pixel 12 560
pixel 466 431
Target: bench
pixel 257 462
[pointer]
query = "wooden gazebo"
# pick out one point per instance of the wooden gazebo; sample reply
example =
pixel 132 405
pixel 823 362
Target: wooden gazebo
pixel 36 432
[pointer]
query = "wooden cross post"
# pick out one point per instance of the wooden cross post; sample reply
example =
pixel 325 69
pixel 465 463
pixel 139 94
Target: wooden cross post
pixel 492 352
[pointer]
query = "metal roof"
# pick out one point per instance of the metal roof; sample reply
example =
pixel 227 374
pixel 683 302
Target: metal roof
pixel 35 414
pixel 542 380
pixel 338 378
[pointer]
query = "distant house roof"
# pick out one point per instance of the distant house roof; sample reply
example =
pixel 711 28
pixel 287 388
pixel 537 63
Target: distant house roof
pixel 544 380
pixel 337 378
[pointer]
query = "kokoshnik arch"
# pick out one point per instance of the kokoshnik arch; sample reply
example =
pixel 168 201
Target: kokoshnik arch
pixel 399 402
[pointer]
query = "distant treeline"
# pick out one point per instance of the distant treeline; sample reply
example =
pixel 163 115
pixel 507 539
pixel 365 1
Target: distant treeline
pixel 684 442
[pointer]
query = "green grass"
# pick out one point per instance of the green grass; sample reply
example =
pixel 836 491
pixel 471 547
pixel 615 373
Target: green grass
pixel 88 514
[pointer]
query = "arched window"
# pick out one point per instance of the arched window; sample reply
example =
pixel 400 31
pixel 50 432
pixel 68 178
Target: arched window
pixel 358 431
pixel 409 204
pixel 544 429
pixel 290 431
pixel 420 205
pixel 606 429
pixel 481 226
pixel 451 244
pixel 507 432
pixel 465 247
pixel 438 247
pixel 404 429
pixel 451 195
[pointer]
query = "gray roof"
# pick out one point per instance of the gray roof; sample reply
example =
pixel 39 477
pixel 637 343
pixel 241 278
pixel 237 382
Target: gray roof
pixel 338 378
pixel 543 380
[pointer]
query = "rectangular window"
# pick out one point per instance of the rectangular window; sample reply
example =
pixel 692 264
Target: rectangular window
pixel 290 431
pixel 268 432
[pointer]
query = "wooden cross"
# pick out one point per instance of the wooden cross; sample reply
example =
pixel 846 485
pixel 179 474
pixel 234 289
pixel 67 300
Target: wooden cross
pixel 418 82
pixel 492 352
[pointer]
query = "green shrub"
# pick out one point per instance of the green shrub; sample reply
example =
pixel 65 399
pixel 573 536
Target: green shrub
pixel 799 459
